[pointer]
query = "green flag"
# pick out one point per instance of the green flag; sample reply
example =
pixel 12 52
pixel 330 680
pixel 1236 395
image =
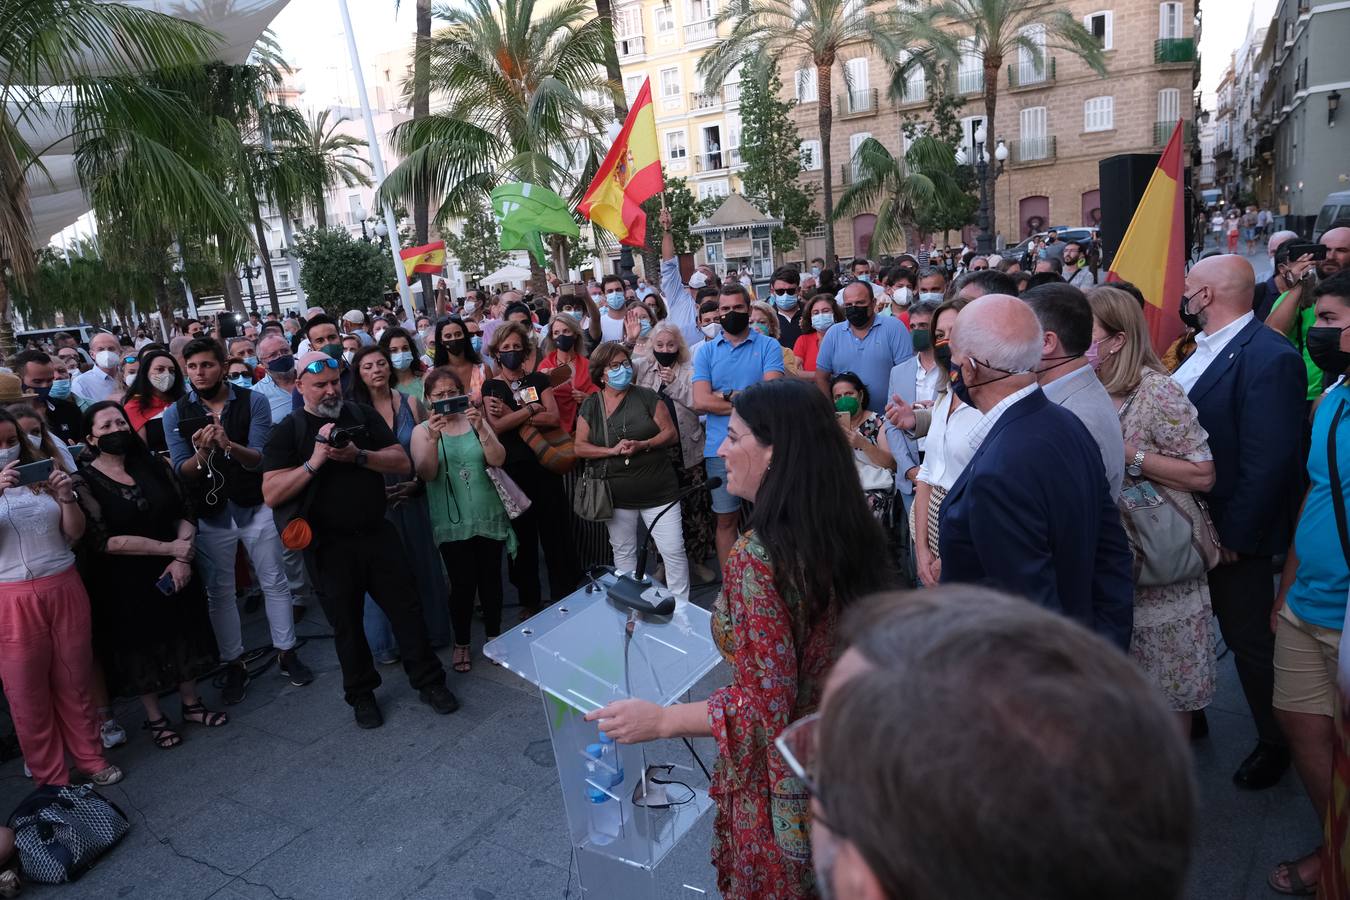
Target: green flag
pixel 525 212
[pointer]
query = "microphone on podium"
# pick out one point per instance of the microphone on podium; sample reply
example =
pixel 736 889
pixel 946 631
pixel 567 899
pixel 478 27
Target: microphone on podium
pixel 628 588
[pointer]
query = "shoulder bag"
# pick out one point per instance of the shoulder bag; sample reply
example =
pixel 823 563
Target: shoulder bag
pixel 60 831
pixel 551 445
pixel 593 501
pixel 1337 497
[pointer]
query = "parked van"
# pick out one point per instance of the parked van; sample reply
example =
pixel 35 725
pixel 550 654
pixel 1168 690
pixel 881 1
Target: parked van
pixel 1336 206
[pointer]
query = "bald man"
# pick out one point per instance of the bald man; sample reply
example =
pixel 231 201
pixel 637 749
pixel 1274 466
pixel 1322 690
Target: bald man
pixel 1032 512
pixel 1337 242
pixel 1276 283
pixel 1248 385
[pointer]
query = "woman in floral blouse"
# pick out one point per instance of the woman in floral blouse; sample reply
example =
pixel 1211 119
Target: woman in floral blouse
pixel 775 622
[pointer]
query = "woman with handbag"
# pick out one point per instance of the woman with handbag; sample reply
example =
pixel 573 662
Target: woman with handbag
pixel 1166 447
pixel 451 453
pixel 520 406
pixel 622 430
pixel 866 434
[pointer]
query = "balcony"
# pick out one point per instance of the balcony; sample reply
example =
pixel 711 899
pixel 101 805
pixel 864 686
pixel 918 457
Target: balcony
pixel 707 163
pixel 1024 74
pixel 1036 151
pixel 857 103
pixel 970 82
pixel 731 93
pixel 915 93
pixel 630 47
pixel 700 31
pixel 847 174
pixel 702 101
pixel 1168 51
pixel 1162 132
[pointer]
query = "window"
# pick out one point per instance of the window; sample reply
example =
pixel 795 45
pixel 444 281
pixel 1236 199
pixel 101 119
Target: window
pixel 1169 105
pixel 811 156
pixel 628 22
pixel 1169 19
pixel 631 85
pixel 670 82
pixel 283 277
pixel 1099 114
pixel 915 80
pixel 1031 66
pixel 675 146
pixel 665 20
pixel 970 71
pixel 712 244
pixel 698 10
pixel 806 84
pixel 734 138
pixel 1099 23
pixel 354 209
pixel 710 189
pixel 1034 143
pixel 856 83
pixel 854 142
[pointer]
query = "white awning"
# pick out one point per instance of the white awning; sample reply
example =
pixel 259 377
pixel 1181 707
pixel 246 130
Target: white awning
pixel 507 274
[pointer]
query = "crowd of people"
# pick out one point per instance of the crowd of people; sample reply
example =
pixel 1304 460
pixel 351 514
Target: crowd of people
pixel 933 423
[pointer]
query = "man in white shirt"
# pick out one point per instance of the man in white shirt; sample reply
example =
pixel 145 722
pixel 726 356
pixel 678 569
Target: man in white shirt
pixel 862 271
pixel 102 382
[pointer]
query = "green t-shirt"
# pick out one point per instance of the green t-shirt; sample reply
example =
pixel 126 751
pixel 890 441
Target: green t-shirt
pixel 462 499
pixel 1306 318
pixel 643 480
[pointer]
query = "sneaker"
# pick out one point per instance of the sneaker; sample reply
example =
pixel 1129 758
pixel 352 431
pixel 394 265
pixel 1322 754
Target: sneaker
pixel 103 777
pixel 112 734
pixel 439 698
pixel 288 661
pixel 236 680
pixel 367 712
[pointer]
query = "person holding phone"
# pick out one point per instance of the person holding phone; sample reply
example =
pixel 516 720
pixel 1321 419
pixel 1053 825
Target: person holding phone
pixel 151 628
pixel 44 443
pixel 46 653
pixel 451 451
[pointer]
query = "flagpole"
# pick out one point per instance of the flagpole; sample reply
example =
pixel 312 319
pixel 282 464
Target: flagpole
pixel 376 160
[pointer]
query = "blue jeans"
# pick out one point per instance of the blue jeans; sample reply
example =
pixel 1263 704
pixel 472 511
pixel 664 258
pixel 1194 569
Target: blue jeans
pixel 379 633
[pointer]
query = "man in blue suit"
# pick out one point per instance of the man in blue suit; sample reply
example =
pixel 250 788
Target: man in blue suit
pixel 1248 384
pixel 1032 513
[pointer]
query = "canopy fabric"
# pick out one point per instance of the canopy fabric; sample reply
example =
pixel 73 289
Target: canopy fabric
pixel 507 274
pixel 57 199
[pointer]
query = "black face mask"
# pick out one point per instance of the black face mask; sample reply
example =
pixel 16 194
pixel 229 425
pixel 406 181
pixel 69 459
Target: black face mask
pixel 942 353
pixel 735 322
pixel 1324 347
pixel 212 393
pixel 565 342
pixel 858 316
pixel 117 443
pixel 666 358
pixel 921 339
pixel 1189 319
pixel 282 364
pixel 511 359
pixel 455 347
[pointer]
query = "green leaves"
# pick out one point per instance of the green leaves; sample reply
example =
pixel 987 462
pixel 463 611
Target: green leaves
pixel 771 151
pixel 899 189
pixel 341 272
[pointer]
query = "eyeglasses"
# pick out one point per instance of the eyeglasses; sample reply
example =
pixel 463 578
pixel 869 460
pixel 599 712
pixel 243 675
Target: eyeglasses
pixel 129 359
pixel 317 367
pixel 786 292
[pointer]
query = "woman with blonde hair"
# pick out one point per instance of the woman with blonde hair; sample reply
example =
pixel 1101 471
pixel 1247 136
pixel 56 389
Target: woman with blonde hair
pixel 1165 445
pixel 764 319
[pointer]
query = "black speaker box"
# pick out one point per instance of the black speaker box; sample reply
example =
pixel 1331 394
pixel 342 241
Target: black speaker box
pixel 1123 180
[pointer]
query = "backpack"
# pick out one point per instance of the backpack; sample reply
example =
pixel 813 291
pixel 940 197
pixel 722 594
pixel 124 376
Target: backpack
pixel 60 831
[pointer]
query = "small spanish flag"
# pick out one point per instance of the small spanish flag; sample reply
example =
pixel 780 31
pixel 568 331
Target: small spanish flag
pixel 429 258
pixel 1152 255
pixel 630 174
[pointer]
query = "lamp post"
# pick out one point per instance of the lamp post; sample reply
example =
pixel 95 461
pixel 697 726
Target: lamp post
pixel 250 271
pixel 984 241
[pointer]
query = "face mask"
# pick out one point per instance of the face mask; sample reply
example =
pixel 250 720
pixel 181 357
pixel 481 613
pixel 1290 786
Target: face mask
pixel 942 353
pixel 117 443
pixel 822 321
pixel 163 381
pixel 711 330
pixel 784 301
pixel 129 378
pixel 251 361
pixel 815 271
pixel 1093 356
pixel 922 339
pixel 34 441
pixel 565 342
pixel 8 455
pixel 865 278
pixel 1189 319
pixel 378 334
pixel 43 392
pixel 333 350
pixel 902 296
pixel 242 381
pixel 511 359
pixel 666 357
pixel 470 307
pixel 280 365
pixel 957 382
pixel 456 346
pixel 401 360
pixel 644 327
pixel 476 342
pixel 846 405
pixel 106 359
pixel 347 355
pixel 1324 347
pixel 614 300
pixel 60 389
pixel 857 316
pixel 619 377
pixel 930 297
pixel 735 323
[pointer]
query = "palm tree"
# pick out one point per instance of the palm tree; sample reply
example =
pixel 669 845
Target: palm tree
pixel 896 187
pixel 822 29
pixel 996 31
pixel 514 79
pixel 332 159
pixel 70 75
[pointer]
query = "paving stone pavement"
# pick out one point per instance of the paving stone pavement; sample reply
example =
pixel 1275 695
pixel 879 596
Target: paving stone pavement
pixel 291 801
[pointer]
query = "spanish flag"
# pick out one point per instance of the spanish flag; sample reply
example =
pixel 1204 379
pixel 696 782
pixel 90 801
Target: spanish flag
pixel 630 174
pixel 1153 254
pixel 429 258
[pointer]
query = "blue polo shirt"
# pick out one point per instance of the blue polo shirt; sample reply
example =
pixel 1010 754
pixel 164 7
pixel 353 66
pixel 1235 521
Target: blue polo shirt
pixel 871 357
pixel 728 367
pixel 1318 594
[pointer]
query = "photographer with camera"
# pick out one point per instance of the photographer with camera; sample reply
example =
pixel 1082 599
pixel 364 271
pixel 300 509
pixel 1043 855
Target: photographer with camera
pixel 1298 267
pixel 215 433
pixel 330 458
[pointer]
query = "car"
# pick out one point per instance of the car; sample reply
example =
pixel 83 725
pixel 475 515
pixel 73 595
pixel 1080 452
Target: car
pixel 1085 235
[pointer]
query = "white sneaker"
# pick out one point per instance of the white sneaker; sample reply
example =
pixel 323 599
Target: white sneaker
pixel 113 734
pixel 27 772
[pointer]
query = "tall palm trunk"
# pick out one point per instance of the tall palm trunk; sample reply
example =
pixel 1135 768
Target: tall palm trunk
pixel 265 256
pixel 605 11
pixel 320 210
pixel 992 64
pixel 234 298
pixel 825 121
pixel 6 327
pixel 165 306
pixel 422 109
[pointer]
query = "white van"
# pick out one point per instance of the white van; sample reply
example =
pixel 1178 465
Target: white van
pixel 1336 206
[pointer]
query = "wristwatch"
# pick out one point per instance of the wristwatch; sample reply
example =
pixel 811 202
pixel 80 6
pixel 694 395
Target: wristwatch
pixel 1136 466
pixel 361 457
pixel 727 395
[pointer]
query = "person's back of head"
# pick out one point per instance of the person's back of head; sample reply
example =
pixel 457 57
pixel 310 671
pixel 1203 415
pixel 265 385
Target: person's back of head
pixel 1062 308
pixel 1039 278
pixel 971 744
pixel 983 281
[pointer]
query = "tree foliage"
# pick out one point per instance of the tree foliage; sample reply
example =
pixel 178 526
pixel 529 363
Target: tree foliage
pixel 341 272
pixel 897 187
pixel 955 210
pixel 478 245
pixel 771 151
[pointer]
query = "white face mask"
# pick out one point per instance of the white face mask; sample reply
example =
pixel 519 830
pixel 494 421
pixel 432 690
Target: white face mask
pixel 162 381
pixel 128 378
pixel 348 355
pixel 902 295
pixel 106 359
pixel 711 330
pixel 8 455
pixel 469 307
pixel 34 440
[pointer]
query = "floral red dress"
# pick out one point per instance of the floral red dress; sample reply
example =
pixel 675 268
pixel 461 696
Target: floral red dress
pixel 761 846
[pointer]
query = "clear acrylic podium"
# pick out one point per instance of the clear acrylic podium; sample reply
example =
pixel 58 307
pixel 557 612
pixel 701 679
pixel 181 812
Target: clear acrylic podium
pixel 582 654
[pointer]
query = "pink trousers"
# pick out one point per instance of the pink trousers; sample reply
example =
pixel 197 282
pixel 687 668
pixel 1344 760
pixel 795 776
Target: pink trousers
pixel 46 661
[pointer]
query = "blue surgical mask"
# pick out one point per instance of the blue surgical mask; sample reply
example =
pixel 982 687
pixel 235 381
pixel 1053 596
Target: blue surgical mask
pixel 251 361
pixel 822 321
pixel 761 327
pixel 785 301
pixel 614 300
pixel 865 278
pixel 401 360
pixel 930 297
pixel 242 381
pixel 620 377
pixel 815 271
pixel 644 327
pixel 60 389
pixel 477 343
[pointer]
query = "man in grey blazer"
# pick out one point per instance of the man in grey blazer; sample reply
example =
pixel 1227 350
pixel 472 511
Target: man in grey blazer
pixel 1066 376
pixel 906 383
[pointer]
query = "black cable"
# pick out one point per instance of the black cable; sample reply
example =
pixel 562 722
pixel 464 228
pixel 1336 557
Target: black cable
pixel 694 754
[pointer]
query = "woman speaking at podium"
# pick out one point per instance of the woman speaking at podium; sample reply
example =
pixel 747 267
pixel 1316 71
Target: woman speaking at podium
pixel 810 550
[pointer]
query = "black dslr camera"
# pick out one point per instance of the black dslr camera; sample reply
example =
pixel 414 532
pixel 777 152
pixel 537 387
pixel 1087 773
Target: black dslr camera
pixel 341 437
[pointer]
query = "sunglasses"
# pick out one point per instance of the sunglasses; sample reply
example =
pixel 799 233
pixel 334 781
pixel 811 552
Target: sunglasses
pixel 317 367
pixel 129 359
pixel 787 292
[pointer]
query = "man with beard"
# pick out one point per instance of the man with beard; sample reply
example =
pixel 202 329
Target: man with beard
pixel 332 457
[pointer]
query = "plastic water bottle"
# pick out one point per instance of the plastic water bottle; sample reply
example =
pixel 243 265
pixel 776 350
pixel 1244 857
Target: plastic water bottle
pixel 609 759
pixel 606 818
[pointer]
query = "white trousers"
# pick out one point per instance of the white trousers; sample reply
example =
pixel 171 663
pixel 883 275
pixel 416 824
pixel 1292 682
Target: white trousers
pixel 215 551
pixel 669 539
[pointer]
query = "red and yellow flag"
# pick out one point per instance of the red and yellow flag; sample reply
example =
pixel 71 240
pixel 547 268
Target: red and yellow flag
pixel 1153 254
pixel 630 174
pixel 429 258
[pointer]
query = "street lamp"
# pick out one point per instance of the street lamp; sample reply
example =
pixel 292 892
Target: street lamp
pixel 249 271
pixel 1333 104
pixel 984 241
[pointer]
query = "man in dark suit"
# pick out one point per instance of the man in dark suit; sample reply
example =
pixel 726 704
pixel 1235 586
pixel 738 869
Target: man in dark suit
pixel 1032 513
pixel 1249 386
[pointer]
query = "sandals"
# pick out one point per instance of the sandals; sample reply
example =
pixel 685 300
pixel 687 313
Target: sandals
pixel 1296 886
pixel 165 737
pixel 198 714
pixel 462 658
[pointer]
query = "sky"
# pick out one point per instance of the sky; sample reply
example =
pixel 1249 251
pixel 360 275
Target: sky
pixel 1223 31
pixel 312 39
